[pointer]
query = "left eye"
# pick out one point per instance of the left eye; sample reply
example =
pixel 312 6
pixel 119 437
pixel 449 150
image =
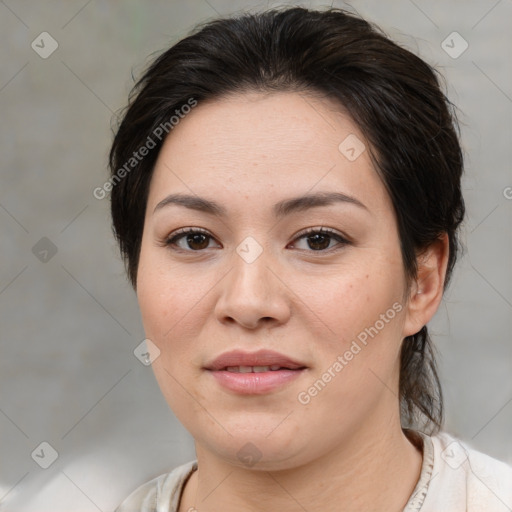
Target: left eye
pixel 198 239
pixel 320 239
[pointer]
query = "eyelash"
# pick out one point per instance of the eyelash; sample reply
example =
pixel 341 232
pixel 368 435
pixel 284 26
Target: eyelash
pixel 174 237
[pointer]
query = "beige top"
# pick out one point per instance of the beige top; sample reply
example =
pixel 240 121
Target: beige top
pixel 454 478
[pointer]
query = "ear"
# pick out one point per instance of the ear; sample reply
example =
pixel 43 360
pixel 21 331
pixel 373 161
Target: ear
pixel 427 290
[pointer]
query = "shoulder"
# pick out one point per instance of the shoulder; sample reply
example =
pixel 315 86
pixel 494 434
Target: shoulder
pixel 161 494
pixel 466 477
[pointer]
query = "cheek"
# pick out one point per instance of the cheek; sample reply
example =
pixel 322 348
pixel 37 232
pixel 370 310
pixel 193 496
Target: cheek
pixel 169 303
pixel 350 298
pixel 356 364
pixel 173 302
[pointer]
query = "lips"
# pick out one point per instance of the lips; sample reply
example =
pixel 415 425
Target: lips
pixel 260 359
pixel 254 373
pixel 255 369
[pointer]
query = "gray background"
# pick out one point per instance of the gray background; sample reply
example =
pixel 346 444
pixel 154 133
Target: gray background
pixel 69 325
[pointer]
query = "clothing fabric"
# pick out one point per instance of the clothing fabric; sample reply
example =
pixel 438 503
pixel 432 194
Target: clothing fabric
pixel 453 478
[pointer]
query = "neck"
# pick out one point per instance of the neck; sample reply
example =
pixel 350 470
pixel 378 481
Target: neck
pixel 370 471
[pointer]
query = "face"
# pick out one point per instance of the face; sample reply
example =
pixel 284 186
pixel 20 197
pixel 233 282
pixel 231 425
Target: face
pixel 314 287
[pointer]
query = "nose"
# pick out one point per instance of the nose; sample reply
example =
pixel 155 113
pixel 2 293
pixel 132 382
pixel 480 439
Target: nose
pixel 253 294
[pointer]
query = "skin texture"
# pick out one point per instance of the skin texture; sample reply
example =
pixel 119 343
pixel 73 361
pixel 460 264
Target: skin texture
pixel 344 450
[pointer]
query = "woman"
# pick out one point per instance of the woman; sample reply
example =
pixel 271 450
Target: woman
pixel 286 195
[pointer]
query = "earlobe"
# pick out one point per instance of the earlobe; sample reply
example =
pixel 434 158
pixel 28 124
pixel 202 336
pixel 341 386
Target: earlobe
pixel 427 290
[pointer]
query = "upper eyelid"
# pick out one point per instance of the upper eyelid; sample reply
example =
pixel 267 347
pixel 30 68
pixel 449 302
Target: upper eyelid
pixel 324 229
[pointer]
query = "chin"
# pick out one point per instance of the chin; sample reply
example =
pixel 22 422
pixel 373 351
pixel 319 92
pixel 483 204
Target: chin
pixel 260 446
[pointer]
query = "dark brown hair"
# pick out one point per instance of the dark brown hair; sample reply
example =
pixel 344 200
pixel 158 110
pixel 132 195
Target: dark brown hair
pixel 391 94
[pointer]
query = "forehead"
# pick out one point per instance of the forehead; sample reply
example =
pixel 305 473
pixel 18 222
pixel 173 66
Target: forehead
pixel 255 145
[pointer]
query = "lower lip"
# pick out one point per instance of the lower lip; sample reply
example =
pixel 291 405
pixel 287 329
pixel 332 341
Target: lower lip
pixel 255 383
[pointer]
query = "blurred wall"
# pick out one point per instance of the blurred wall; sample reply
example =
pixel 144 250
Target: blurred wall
pixel 69 321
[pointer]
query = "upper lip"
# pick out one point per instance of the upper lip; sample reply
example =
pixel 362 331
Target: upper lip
pixel 260 358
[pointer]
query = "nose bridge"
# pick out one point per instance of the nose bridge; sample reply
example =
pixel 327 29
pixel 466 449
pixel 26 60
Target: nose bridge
pixel 250 272
pixel 251 291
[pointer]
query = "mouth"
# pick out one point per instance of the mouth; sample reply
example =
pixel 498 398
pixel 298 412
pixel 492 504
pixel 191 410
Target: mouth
pixel 256 369
pixel 254 373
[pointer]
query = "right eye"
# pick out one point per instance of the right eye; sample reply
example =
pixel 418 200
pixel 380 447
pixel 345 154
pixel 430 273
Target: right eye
pixel 195 238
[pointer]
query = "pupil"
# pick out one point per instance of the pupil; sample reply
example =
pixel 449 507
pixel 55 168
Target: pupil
pixel 318 237
pixel 196 238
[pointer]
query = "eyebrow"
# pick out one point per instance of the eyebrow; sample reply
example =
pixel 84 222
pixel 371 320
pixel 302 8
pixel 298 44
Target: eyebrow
pixel 280 209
